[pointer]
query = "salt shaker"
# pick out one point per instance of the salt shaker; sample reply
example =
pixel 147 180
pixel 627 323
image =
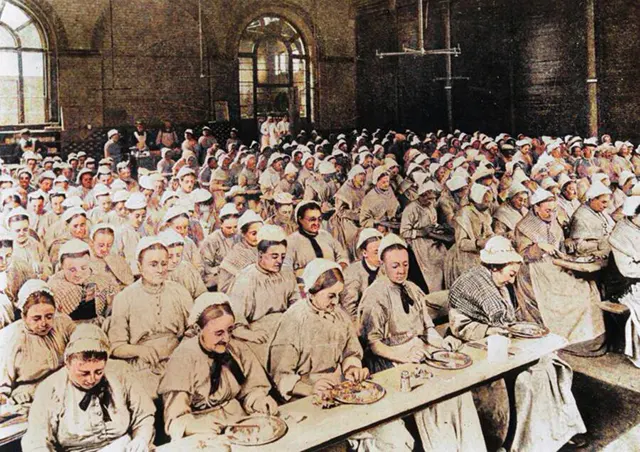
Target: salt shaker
pixel 405 382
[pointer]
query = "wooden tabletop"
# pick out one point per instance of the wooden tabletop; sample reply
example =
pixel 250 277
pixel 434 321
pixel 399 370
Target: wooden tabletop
pixel 322 427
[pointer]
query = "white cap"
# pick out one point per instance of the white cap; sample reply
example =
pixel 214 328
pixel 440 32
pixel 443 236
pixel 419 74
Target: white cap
pixel 146 243
pixel 499 250
pixel 273 158
pixel 167 195
pixel 249 217
pixel 146 183
pixel 624 177
pixel 136 201
pixel 591 142
pixel 228 209
pixel 72 212
pixel 599 177
pixel 445 159
pixel 326 168
pixel 547 183
pixel 563 180
pixel 388 241
pixel 200 195
pixel 170 238
pixel 357 169
pixel 204 301
pixel 630 206
pixel 48 175
pixel 478 193
pixel 72 201
pixel 100 190
pixel 366 234
pixel 597 189
pixel 482 172
pixel 185 171
pixel 315 269
pixel 174 212
pixel 118 184
pixel 101 227
pixel 283 198
pixel 73 246
pixel 290 169
pixel 427 186
pixel 87 338
pixel 29 288
pixel 302 204
pixel 271 233
pixel 456 182
pixel 515 189
pixel 379 172
pixel 120 196
pixel 540 195
pixel 112 132
pixel 38 194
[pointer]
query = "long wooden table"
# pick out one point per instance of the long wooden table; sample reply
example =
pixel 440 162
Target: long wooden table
pixel 323 427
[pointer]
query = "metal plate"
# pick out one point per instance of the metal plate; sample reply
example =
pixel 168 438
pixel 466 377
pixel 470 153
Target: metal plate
pixel 528 330
pixel 449 360
pixel 363 393
pixel 257 437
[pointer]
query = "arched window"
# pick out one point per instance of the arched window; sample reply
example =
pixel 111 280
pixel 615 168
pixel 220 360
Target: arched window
pixel 275 70
pixel 23 67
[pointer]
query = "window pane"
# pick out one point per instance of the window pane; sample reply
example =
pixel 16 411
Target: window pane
pixel 12 16
pixel 30 37
pixel 34 93
pixel 8 87
pixel 6 40
pixel 273 62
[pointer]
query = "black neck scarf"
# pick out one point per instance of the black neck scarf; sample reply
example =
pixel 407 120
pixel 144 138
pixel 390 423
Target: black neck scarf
pixel 102 392
pixel 314 243
pixel 221 360
pixel 407 301
pixel 372 273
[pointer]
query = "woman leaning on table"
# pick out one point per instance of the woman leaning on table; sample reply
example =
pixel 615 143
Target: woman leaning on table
pixel 32 347
pixel 316 347
pixel 212 379
pixel 482 305
pixel 86 406
pixel 395 325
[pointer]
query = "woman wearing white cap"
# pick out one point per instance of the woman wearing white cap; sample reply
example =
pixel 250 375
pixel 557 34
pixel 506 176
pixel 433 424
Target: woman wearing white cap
pixel 32 346
pixel 591 225
pixel 322 187
pixel 165 165
pixel 624 188
pixel 112 147
pixel 308 164
pixel 53 213
pixel 103 205
pixel 218 244
pixel 482 305
pixel 263 291
pixel 178 218
pixel 86 406
pixel 454 196
pixel 118 215
pixel 288 183
pixel 344 224
pixel 362 273
pixel 271 177
pixel 310 241
pixel 76 226
pixel 548 294
pixel 300 368
pixel 512 211
pixel 13 273
pixel 79 291
pixel 25 246
pixel 567 200
pixel 114 267
pixel 380 203
pixel 419 220
pixel 149 317
pixel 283 216
pixel 472 230
pixel 249 177
pixel 396 326
pixel 180 270
pixel 128 235
pixel 212 379
pixel 243 253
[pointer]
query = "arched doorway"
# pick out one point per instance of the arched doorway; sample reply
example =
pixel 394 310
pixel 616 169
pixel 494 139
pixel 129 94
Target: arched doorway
pixel 275 73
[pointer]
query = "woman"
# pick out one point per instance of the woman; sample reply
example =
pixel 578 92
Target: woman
pixel 380 203
pixel 567 200
pixel 263 291
pixel 150 316
pixel 454 197
pixel 180 270
pixel 418 222
pixel 86 406
pixel 283 216
pixel 177 218
pixel 79 292
pixel 243 253
pixel 511 212
pixel 113 267
pixel 128 234
pixel 212 379
pixel 482 305
pixel 13 274
pixel 316 346
pixel 396 327
pixel 348 200
pixel 26 247
pixel 76 225
pixel 591 225
pixel 547 293
pixel 33 346
pixel 218 244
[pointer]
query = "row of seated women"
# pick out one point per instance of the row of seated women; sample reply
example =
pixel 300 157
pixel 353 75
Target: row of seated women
pixel 94 386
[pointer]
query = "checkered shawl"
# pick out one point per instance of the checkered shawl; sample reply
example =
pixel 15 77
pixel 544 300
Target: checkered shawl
pixel 476 296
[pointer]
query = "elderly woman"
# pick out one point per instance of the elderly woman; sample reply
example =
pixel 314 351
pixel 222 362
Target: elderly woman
pixel 567 200
pixel 76 226
pixel 301 368
pixel 322 187
pixel 79 291
pixel 113 267
pixel 32 346
pixel 212 379
pixel 481 305
pixel 263 291
pixel 591 225
pixel 271 177
pixel 348 200
pixel 218 244
pixel 283 216
pixel 548 294
pixel 150 316
pixel 380 203
pixel 453 198
pixel 86 406
pixel 25 247
pixel 177 218
pixel 128 234
pixel 310 241
pixel 473 229
pixel 396 327
pixel 417 226
pixel 511 212
pixel 180 270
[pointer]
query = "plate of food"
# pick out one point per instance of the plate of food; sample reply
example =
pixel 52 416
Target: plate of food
pixel 528 330
pixel 363 393
pixel 256 430
pixel 447 360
